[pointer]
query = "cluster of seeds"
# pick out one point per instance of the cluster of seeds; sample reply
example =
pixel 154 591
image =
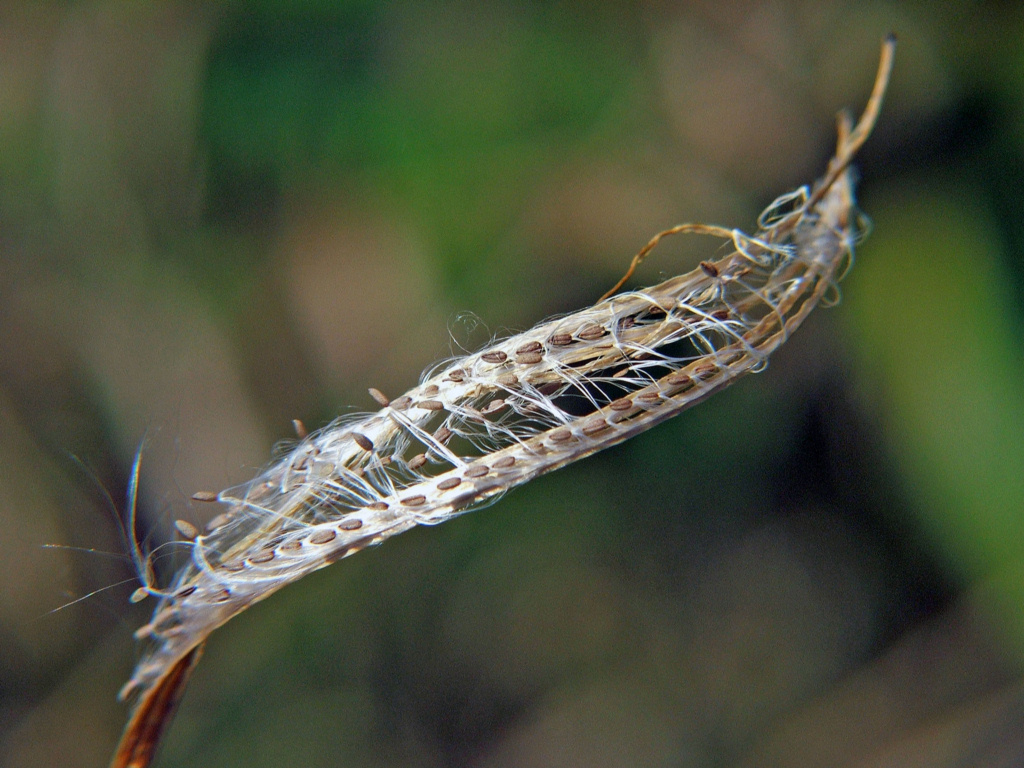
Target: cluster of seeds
pixel 484 423
pixel 479 425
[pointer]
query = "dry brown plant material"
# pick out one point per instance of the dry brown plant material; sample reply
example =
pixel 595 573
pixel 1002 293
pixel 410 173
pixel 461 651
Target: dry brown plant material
pixel 628 362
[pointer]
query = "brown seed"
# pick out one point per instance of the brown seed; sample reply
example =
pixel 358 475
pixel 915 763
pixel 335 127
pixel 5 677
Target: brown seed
pixel 379 396
pixel 414 501
pixel 186 591
pixel 336 554
pixel 234 566
pixel 378 505
pixel 532 346
pixel 463 500
pixel 622 404
pixel 595 427
pixel 291 546
pixel 443 434
pixel 300 429
pixel 430 405
pixel 478 470
pixel 220 596
pixel 324 536
pixel 493 407
pixel 649 397
pixel 505 462
pixel 705 370
pixel 352 524
pixel 166 619
pixel 186 529
pixel 529 358
pixel 560 340
pixel 457 375
pixel 472 413
pixel 678 379
pixel 204 496
pixel 262 557
pixel 590 332
pixel 430 390
pixel 508 379
pixel 363 441
pixel 417 461
pixel 627 322
pixel 709 269
pixel 449 483
pixel 300 463
pixel 218 522
pixel 497 356
pixel 720 314
pixel 401 403
pixel 560 435
pixel 139 595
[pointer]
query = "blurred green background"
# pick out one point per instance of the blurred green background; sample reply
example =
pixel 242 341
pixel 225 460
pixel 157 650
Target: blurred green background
pixel 216 217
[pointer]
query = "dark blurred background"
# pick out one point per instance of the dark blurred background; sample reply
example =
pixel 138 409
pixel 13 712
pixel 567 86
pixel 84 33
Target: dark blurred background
pixel 216 217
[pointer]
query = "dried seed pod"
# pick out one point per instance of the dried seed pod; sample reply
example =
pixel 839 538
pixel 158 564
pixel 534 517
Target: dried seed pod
pixel 624 342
